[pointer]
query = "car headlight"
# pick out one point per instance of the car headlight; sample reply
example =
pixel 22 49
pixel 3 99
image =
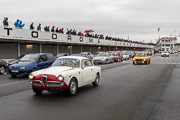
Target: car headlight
pixel 31 76
pixel 103 59
pixel 23 67
pixel 60 78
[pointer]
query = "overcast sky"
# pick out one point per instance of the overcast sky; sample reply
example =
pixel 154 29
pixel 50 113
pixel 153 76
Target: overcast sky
pixel 138 19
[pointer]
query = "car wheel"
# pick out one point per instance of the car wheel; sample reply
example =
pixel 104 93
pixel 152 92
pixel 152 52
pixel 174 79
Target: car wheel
pixel 2 70
pixel 96 81
pixel 37 91
pixel 133 63
pixel 72 89
pixel 149 61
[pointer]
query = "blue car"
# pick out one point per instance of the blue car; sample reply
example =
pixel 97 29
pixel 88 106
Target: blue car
pixel 61 54
pixel 31 62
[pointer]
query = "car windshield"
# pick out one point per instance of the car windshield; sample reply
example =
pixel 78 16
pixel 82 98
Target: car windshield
pixel 70 62
pixel 60 55
pixel 84 54
pixel 80 54
pixel 102 54
pixel 76 54
pixel 141 54
pixel 165 52
pixel 124 53
pixel 115 54
pixel 30 57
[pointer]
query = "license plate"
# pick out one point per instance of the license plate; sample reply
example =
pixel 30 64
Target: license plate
pixel 15 71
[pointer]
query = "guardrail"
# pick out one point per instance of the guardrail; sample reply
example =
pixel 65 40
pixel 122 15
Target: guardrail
pixel 31 35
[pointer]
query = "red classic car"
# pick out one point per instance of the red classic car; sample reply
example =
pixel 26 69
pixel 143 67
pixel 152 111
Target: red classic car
pixel 117 56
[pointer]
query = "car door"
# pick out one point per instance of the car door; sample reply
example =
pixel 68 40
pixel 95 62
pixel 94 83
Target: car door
pixel 87 71
pixel 50 59
pixel 42 62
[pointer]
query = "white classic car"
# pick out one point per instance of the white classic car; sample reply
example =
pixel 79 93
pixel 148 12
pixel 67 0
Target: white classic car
pixel 66 73
pixel 165 54
pixel 125 55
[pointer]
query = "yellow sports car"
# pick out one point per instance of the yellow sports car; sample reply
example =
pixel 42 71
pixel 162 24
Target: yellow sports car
pixel 141 58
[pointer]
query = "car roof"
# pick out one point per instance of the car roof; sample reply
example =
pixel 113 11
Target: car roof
pixel 62 53
pixel 74 57
pixel 37 53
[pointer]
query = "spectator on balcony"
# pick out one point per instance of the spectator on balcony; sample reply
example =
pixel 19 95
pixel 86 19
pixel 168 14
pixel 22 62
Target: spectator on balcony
pixel 57 29
pixel 31 26
pixel 21 25
pixel 62 30
pixel 46 28
pixel 16 24
pixel 5 22
pixel 39 27
pixel 52 29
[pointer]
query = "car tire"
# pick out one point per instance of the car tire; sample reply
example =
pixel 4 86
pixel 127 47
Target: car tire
pixel 149 61
pixel 73 86
pixel 37 91
pixel 133 63
pixel 96 81
pixel 2 70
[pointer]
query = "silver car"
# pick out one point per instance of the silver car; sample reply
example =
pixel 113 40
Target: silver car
pixel 103 57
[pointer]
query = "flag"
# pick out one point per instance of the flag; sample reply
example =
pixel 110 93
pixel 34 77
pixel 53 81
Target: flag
pixel 158 29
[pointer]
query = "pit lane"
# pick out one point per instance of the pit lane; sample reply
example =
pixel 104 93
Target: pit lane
pixel 126 91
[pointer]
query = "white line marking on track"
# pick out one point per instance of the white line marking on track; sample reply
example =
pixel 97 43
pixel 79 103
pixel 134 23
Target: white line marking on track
pixel 12 83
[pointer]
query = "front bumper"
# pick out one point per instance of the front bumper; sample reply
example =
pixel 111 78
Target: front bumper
pixel 51 83
pixel 164 55
pixel 140 61
pixel 99 61
pixel 19 72
pixel 58 86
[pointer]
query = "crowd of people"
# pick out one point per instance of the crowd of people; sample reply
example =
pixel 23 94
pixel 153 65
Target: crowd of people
pixel 18 24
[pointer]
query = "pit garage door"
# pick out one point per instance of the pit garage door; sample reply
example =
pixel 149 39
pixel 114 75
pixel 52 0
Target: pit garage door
pixel 8 50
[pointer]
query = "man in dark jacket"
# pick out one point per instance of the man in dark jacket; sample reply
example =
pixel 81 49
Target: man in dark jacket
pixel 52 29
pixel 5 22
pixel 39 27
pixel 31 26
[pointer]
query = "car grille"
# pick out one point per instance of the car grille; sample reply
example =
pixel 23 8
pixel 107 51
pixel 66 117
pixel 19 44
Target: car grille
pixel 54 84
pixel 38 83
pixel 139 60
pixel 44 80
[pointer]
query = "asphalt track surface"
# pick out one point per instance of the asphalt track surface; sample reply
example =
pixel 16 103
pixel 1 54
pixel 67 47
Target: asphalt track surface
pixel 126 92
